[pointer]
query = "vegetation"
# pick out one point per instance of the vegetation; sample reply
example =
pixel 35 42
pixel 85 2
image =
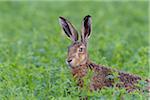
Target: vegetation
pixel 33 47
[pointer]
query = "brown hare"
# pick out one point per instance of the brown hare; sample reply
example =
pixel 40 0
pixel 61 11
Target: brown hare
pixel 80 64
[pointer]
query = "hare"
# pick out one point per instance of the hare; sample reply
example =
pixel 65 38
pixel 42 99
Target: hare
pixel 80 64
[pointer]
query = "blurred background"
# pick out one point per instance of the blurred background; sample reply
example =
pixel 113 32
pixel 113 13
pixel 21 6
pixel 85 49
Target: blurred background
pixel 33 46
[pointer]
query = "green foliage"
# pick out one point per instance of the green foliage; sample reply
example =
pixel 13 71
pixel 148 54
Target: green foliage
pixel 33 48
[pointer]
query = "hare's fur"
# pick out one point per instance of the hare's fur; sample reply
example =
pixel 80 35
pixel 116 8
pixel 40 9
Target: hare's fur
pixel 80 64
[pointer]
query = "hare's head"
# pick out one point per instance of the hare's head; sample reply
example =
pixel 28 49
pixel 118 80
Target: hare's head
pixel 77 51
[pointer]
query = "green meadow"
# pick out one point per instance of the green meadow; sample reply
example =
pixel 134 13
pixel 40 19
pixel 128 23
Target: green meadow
pixel 33 47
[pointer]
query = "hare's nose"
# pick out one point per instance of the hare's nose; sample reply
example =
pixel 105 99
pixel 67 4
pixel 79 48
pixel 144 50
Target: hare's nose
pixel 69 60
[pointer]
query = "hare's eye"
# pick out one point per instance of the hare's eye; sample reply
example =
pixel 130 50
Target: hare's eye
pixel 80 49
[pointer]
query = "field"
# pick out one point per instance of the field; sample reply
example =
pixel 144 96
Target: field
pixel 33 47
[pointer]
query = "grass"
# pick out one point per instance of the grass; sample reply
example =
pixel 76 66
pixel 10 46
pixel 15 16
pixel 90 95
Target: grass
pixel 33 47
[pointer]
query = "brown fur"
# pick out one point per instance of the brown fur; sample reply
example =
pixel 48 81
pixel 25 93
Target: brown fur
pixel 80 64
pixel 101 78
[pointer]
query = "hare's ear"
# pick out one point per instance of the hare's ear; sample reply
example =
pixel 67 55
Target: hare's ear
pixel 68 29
pixel 86 28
